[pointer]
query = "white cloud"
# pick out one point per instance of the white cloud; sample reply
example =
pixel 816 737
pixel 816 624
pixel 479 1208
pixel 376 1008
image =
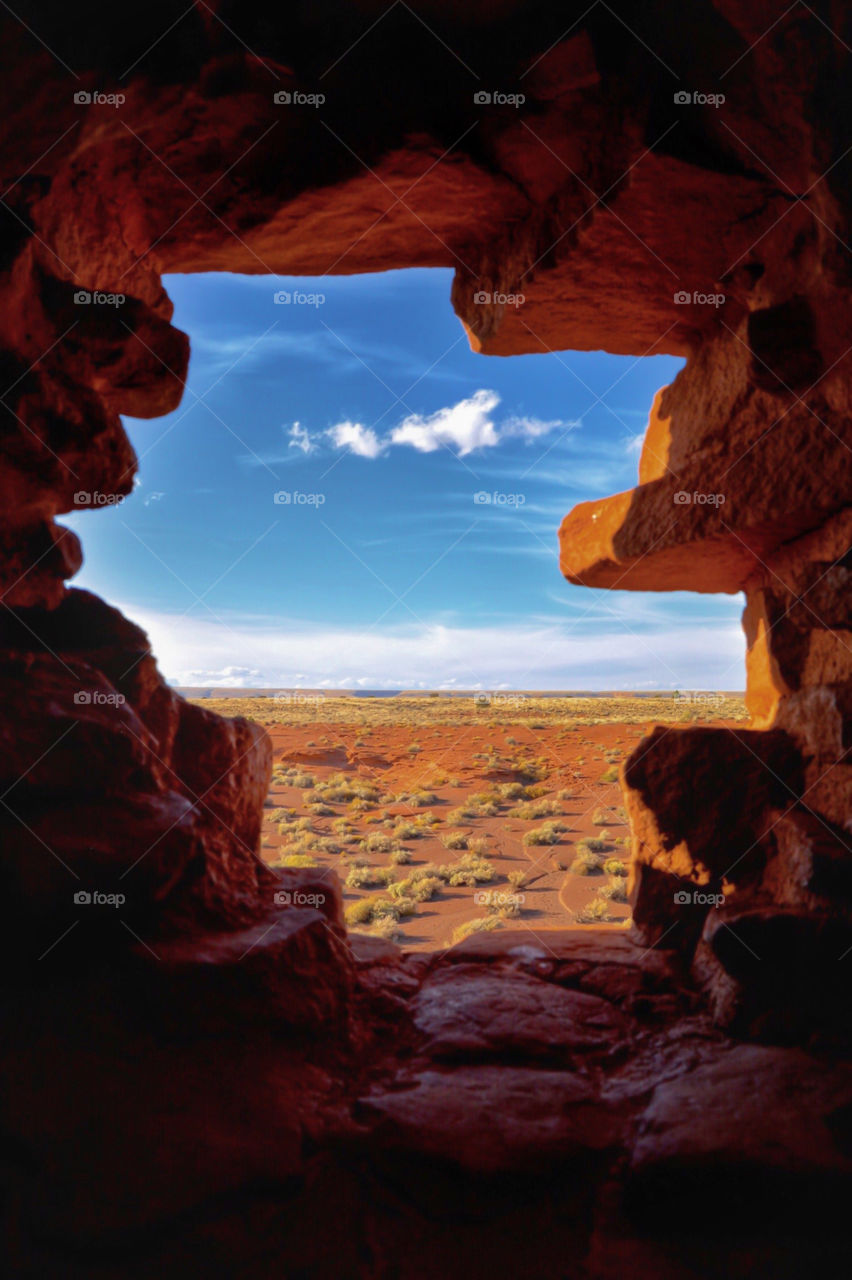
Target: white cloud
pixel 300 438
pixel 358 439
pixel 251 652
pixel 466 426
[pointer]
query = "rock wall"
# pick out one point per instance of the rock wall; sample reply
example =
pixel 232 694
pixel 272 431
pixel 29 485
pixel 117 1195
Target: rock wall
pixel 630 209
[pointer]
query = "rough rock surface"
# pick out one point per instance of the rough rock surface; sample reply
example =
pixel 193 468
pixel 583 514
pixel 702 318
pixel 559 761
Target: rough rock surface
pixel 208 1074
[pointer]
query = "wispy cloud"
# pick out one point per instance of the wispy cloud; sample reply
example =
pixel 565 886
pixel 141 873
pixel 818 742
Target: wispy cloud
pixel 358 439
pixel 244 652
pixel 468 426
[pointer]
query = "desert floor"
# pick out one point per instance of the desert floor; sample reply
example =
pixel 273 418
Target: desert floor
pixel 445 815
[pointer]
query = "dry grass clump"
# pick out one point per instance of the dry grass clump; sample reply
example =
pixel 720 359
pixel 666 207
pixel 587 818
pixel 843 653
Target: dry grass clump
pixel 610 775
pixel 615 867
pixel 367 877
pixel 296 860
pixel 400 857
pixel 454 840
pixel 418 799
pixel 482 925
pixel 291 776
pixel 378 842
pixel 341 789
pixel 596 911
pixel 615 891
pixel 586 863
pixel 535 809
pixel 421 886
pixel 596 844
pixel 471 869
pixel 548 833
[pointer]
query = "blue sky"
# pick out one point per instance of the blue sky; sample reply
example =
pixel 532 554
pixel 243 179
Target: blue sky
pixel 360 407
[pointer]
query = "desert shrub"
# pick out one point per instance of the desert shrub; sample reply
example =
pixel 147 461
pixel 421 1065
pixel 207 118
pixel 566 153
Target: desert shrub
pixel 341 789
pixel 615 891
pixel 534 809
pixel 471 869
pixel 377 842
pixel 610 775
pixel 483 925
pixel 407 830
pixel 295 778
pixel 420 886
pixel 517 879
pixel 370 910
pixel 322 810
pixel 295 860
pixel 280 815
pixel 585 863
pixel 369 877
pixel 418 799
pixel 548 833
pixel 596 911
pixel 454 840
pixel 595 843
pixel 513 790
pixel 615 867
pixel 601 817
pixel 477 845
pixel 400 857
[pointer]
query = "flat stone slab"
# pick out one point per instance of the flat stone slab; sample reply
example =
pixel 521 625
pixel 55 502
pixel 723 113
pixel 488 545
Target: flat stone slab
pixel 748 1132
pixel 492 1119
pixel 469 1009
